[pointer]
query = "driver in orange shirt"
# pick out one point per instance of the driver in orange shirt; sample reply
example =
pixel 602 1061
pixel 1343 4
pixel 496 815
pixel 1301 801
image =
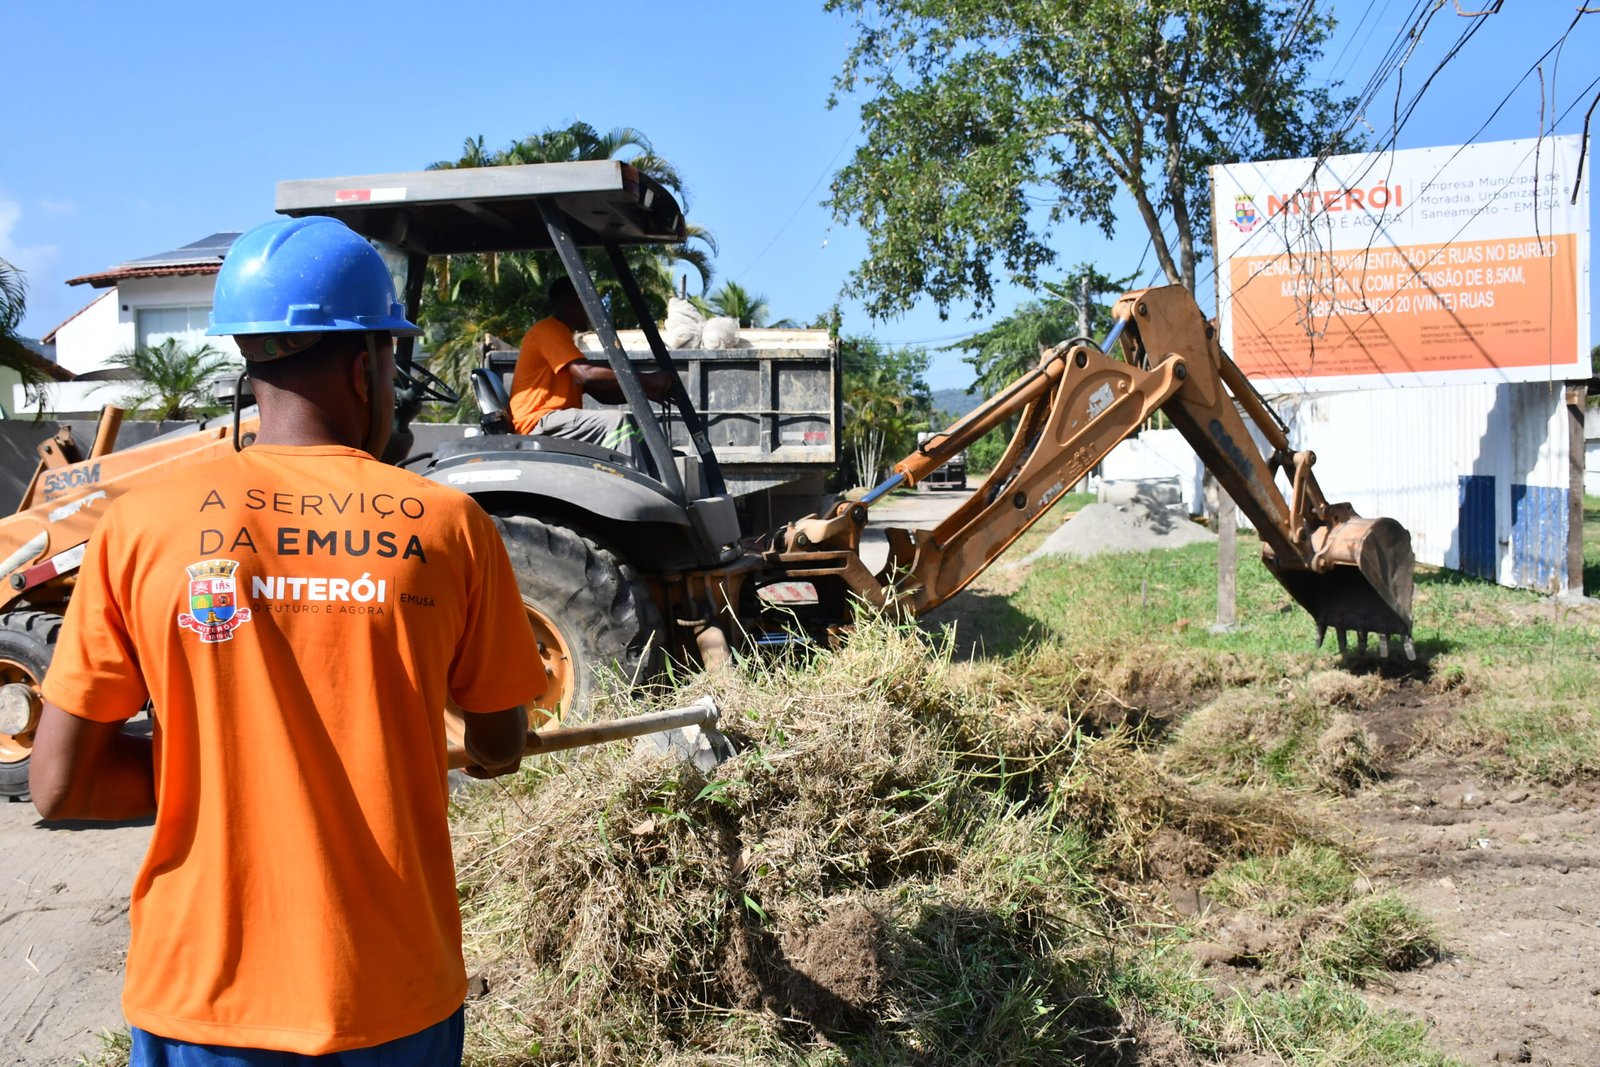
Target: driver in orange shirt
pixel 552 378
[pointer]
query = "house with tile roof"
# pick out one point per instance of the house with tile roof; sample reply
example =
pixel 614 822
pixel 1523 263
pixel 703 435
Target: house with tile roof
pixel 145 302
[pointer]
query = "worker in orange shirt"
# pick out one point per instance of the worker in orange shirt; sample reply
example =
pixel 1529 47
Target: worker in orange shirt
pixel 552 378
pixel 297 614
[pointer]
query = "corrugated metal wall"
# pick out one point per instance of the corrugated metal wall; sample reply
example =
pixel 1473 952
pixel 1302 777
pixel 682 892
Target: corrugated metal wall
pixel 1479 474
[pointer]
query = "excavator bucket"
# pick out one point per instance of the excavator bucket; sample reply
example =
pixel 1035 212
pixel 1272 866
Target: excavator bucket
pixel 1361 582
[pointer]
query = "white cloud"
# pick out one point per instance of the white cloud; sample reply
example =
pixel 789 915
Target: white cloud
pixel 57 207
pixel 34 259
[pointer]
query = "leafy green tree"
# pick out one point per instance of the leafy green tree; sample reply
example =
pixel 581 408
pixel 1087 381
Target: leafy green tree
pixel 987 123
pixel 1010 347
pixel 503 294
pixel 14 355
pixel 175 378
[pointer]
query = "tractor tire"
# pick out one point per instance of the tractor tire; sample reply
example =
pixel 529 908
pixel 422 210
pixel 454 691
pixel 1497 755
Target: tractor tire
pixel 27 641
pixel 590 610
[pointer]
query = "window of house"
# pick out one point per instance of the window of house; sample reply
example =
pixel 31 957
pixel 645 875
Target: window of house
pixel 156 325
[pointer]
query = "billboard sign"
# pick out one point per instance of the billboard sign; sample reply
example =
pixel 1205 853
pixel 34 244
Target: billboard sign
pixel 1428 266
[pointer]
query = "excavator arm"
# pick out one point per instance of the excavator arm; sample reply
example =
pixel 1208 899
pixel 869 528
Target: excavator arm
pixel 1073 409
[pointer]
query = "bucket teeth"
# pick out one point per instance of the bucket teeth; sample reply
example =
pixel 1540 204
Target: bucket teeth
pixel 1361 642
pixel 1322 633
pixel 1383 646
pixel 1344 640
pixel 1411 650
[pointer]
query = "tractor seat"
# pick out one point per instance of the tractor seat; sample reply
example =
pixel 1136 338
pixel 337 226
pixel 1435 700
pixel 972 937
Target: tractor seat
pixel 494 404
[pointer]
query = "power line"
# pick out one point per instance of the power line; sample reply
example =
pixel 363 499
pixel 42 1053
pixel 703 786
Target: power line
pixel 803 199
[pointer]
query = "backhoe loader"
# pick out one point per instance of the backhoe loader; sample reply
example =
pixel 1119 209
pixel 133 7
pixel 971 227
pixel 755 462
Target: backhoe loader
pixel 621 564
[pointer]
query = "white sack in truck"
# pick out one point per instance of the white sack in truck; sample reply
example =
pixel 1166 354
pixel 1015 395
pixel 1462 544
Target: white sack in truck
pixel 684 324
pixel 720 332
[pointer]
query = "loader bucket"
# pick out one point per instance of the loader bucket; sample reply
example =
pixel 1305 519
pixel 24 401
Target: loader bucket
pixel 1363 584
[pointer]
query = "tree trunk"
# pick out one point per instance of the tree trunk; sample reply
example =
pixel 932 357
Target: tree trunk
pixel 1178 192
pixel 1158 240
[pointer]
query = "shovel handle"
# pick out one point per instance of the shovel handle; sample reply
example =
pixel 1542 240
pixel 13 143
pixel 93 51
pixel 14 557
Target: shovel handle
pixel 702 712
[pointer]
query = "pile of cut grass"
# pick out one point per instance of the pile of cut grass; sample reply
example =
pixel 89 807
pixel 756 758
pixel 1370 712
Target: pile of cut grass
pixel 909 862
pixel 1298 733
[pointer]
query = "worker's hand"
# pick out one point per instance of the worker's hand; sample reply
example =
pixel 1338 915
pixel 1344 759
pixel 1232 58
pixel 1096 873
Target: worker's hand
pixel 475 770
pixel 657 385
pixel 494 742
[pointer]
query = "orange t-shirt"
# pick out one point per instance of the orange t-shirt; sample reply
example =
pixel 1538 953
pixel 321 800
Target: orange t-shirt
pixel 541 383
pixel 297 616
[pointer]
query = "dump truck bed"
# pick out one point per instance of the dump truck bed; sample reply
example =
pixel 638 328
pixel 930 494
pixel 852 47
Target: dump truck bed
pixel 772 408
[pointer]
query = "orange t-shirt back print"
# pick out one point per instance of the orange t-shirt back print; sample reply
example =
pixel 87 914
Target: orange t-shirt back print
pixel 297 616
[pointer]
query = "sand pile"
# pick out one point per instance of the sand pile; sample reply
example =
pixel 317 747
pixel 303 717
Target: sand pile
pixel 1130 517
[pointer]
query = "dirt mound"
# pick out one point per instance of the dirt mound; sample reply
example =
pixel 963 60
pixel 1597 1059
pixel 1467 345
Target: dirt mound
pixel 1141 523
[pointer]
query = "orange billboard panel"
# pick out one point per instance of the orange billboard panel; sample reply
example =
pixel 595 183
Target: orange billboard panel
pixel 1423 266
pixel 1481 305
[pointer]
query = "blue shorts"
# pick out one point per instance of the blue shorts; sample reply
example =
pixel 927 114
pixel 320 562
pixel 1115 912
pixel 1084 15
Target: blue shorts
pixel 437 1046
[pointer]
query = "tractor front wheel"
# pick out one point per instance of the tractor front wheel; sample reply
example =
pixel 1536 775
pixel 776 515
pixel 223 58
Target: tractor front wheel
pixel 27 641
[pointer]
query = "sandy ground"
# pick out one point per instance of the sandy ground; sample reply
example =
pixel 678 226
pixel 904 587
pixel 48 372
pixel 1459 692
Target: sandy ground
pixel 63 933
pixel 1512 877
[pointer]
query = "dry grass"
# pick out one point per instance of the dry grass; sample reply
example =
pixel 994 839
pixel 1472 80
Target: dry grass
pixel 1298 733
pixel 909 862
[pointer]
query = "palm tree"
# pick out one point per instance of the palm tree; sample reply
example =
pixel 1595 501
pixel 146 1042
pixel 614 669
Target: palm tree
pixel 886 401
pixel 175 378
pixel 504 294
pixel 735 301
pixel 480 298
pixel 14 355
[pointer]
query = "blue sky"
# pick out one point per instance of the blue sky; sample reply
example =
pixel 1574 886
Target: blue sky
pixel 138 128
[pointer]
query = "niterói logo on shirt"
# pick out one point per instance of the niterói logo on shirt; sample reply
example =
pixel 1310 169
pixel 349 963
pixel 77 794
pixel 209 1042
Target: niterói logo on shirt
pixel 214 608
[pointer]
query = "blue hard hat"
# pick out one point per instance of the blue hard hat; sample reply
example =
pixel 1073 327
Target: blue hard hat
pixel 306 275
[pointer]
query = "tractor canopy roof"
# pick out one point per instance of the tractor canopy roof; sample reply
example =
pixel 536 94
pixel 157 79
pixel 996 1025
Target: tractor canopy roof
pixel 494 209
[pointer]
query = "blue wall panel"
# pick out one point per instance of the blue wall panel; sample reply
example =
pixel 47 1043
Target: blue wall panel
pixel 1539 536
pixel 1475 526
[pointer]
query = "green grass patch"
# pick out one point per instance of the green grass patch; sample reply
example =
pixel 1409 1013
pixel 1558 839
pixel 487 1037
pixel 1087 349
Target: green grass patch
pixel 1305 878
pixel 1374 935
pixel 1536 723
pixel 114 1051
pixel 1167 598
pixel 1326 1024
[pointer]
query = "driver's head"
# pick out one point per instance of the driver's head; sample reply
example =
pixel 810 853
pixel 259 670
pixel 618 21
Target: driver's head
pixel 565 305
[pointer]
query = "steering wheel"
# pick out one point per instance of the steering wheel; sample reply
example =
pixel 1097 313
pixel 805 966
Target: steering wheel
pixel 426 385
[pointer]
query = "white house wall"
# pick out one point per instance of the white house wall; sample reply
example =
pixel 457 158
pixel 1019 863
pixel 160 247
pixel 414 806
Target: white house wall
pixel 65 399
pixel 83 340
pixel 115 315
pixel 1478 473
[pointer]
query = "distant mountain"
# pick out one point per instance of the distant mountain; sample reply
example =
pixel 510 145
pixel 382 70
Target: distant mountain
pixel 955 402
